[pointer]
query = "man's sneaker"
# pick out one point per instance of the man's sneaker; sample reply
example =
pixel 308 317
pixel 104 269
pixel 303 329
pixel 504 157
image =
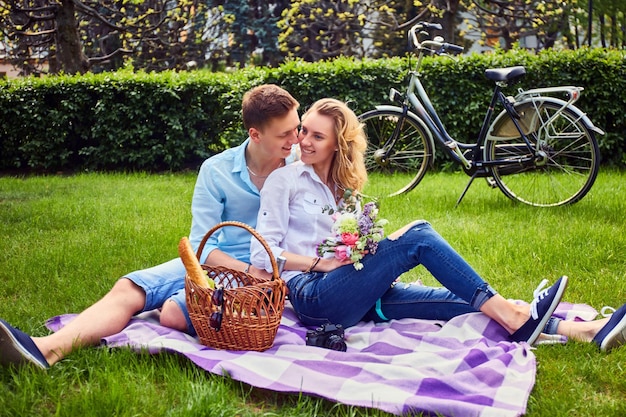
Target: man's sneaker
pixel 17 348
pixel 613 334
pixel 541 309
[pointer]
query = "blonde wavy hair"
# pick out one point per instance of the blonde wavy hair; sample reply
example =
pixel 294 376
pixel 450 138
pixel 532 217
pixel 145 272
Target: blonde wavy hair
pixel 348 170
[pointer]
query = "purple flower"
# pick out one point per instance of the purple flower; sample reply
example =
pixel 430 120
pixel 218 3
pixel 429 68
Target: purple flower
pixel 365 224
pixel 372 246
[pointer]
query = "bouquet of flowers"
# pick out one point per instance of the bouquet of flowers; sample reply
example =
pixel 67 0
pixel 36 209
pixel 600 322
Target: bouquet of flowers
pixel 356 231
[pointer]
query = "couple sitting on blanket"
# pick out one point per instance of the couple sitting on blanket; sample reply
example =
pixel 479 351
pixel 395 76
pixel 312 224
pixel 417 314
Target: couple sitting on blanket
pixel 296 197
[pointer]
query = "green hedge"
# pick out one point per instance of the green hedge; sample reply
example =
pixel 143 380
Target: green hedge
pixel 170 121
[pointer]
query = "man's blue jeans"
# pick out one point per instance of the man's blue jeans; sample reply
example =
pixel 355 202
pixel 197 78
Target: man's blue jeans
pixel 346 296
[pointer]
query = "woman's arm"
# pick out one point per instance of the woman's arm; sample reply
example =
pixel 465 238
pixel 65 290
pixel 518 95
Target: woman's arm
pixel 304 263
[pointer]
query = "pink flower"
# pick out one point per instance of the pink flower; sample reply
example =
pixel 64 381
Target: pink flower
pixel 355 232
pixel 349 239
pixel 342 252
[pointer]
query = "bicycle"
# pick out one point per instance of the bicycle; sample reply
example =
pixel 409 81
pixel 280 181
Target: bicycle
pixel 539 150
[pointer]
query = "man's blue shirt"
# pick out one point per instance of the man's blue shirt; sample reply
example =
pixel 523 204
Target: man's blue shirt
pixel 224 192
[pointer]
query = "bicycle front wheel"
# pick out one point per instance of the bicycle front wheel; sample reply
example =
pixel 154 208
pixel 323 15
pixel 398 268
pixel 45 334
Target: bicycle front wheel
pixel 566 155
pixel 398 152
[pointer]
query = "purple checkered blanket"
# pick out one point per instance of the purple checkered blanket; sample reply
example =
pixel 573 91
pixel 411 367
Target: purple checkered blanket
pixel 463 367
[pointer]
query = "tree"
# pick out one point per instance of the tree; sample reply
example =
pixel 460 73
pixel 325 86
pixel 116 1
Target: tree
pixel 76 36
pixel 610 26
pixel 551 22
pixel 390 25
pixel 314 30
pixel 409 12
pixel 253 34
pixel 513 20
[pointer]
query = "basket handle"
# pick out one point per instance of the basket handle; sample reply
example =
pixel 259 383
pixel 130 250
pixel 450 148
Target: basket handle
pixel 249 229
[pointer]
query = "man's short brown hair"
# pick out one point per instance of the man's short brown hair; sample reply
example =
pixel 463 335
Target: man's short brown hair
pixel 263 103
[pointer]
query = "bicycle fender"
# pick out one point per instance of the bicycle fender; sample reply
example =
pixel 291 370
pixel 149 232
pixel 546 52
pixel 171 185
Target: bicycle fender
pixel 413 116
pixel 500 122
pixel 583 116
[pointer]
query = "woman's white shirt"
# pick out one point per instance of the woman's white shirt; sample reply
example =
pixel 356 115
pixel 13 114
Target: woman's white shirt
pixel 292 216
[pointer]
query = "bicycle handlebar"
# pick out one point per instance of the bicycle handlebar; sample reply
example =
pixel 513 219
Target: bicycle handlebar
pixel 457 49
pixel 436 45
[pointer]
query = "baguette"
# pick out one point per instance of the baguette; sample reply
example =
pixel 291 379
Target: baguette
pixel 192 266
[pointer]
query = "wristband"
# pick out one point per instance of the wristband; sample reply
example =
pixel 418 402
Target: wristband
pixel 313 264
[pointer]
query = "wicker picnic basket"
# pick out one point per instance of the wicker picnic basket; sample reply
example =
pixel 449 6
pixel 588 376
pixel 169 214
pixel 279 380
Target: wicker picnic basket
pixel 251 309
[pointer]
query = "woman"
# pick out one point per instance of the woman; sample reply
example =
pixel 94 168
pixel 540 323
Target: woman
pixel 294 219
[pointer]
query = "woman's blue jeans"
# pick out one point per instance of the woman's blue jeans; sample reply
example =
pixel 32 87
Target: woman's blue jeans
pixel 346 296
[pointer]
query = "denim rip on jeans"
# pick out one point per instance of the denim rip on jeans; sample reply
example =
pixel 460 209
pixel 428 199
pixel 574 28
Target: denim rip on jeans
pixel 346 296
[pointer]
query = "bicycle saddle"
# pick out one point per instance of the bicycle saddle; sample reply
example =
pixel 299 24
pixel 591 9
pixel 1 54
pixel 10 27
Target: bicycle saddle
pixel 505 74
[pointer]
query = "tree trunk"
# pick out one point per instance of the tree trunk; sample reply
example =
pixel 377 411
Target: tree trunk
pixel 69 54
pixel 447 20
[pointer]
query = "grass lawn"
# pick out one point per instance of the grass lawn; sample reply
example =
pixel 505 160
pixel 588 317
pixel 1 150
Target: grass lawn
pixel 64 241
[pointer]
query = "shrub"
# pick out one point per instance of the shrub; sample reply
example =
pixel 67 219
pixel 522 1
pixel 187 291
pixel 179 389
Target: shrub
pixel 172 120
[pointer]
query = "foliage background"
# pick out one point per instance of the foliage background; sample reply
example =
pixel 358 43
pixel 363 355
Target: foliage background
pixel 77 36
pixel 129 121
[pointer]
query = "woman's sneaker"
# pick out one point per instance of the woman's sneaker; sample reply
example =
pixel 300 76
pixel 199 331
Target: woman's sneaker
pixel 18 348
pixel 541 309
pixel 613 334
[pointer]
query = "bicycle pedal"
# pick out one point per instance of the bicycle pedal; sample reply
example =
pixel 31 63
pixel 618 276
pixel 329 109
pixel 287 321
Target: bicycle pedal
pixel 491 182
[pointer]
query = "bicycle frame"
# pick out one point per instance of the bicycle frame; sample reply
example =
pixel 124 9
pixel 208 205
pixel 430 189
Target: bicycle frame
pixel 538 149
pixel 416 99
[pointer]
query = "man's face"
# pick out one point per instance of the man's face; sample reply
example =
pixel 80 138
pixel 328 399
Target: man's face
pixel 279 134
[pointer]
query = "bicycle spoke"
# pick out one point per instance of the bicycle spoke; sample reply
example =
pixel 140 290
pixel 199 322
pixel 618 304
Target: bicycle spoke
pixel 567 163
pixel 389 157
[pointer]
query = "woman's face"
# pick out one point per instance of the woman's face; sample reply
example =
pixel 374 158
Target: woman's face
pixel 318 141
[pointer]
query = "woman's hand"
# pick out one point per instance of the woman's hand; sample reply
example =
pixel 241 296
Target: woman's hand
pixel 330 264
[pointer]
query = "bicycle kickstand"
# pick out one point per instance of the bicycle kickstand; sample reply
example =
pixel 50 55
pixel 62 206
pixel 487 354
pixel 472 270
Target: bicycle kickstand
pixel 473 177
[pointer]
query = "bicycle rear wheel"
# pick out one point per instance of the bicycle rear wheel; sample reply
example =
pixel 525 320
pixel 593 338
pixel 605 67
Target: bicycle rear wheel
pixel 397 157
pixel 568 160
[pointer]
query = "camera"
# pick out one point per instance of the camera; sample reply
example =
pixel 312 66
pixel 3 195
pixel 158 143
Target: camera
pixel 329 336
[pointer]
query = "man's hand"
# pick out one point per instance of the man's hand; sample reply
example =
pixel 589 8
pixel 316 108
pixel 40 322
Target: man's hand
pixel 260 273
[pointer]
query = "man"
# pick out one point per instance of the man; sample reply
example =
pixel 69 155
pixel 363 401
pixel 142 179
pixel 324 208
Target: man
pixel 227 188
